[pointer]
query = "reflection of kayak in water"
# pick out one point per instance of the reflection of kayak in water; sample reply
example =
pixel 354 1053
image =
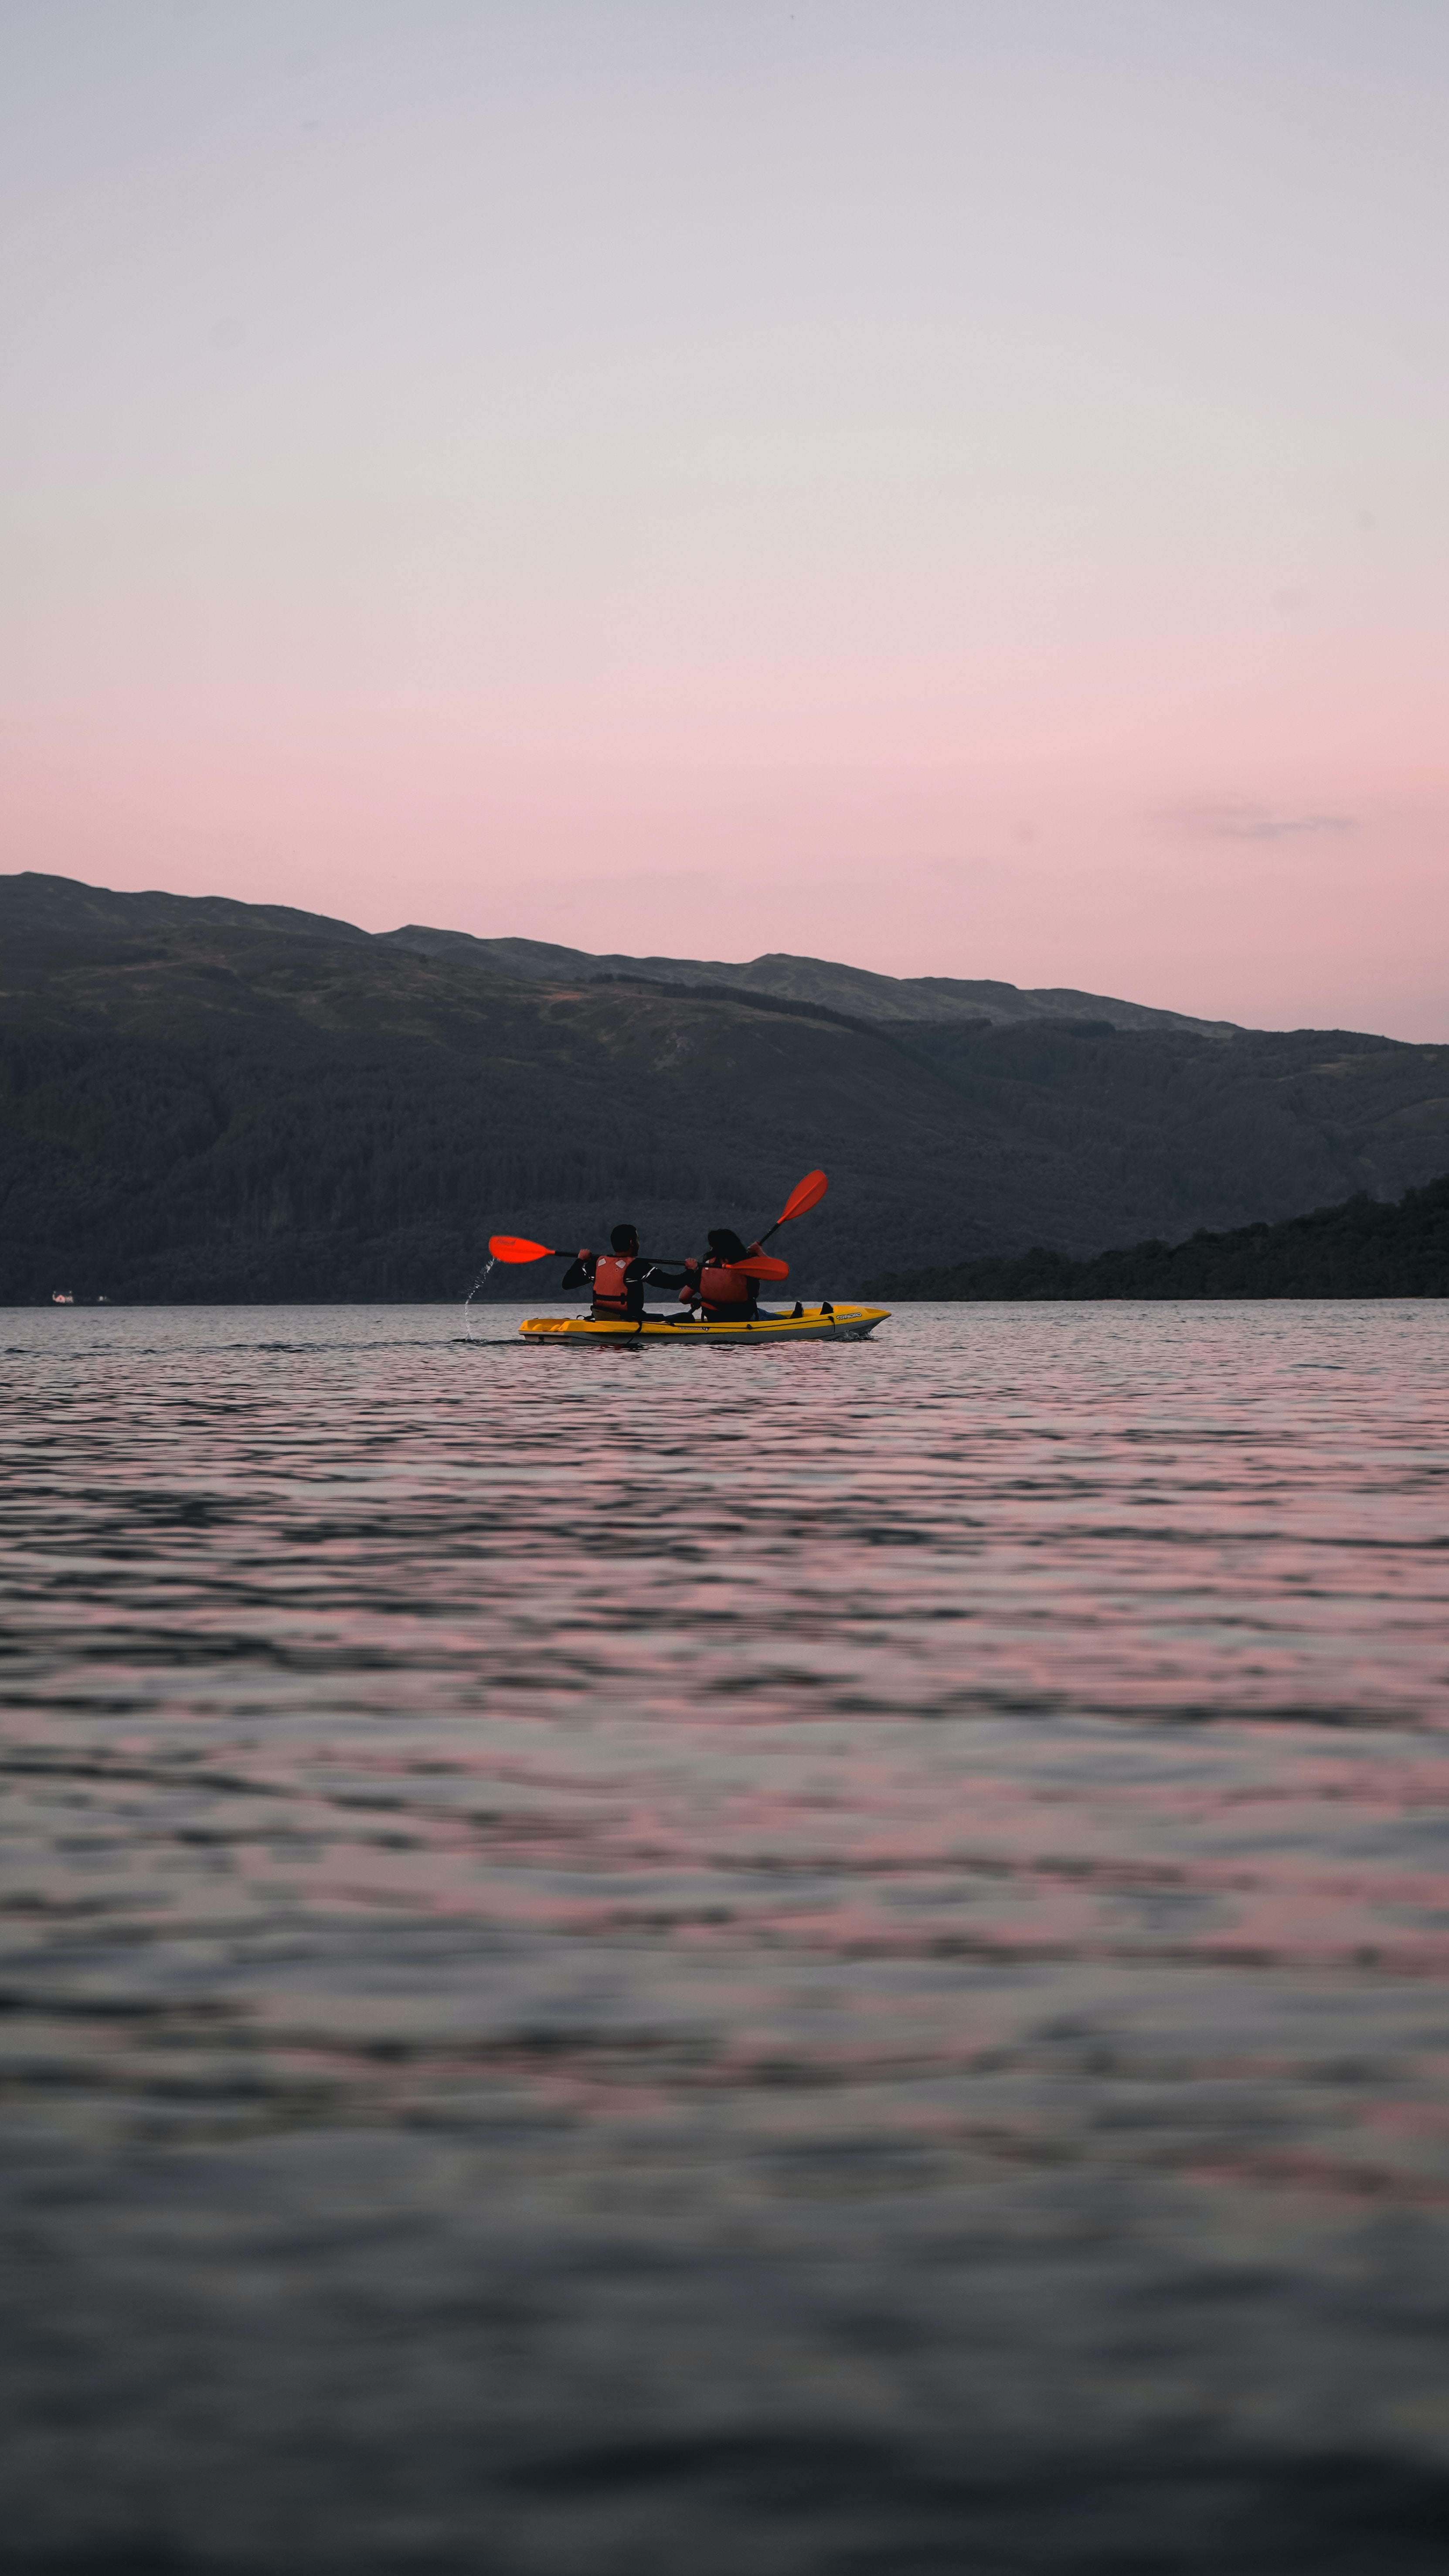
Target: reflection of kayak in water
pixel 817 1324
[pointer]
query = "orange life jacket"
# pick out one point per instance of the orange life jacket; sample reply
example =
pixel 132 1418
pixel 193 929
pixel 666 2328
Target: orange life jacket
pixel 611 1284
pixel 725 1294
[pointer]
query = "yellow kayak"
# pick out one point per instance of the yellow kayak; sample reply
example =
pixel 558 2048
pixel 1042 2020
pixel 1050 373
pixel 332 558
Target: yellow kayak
pixel 817 1324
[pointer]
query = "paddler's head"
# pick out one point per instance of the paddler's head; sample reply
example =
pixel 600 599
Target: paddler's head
pixel 625 1238
pixel 725 1244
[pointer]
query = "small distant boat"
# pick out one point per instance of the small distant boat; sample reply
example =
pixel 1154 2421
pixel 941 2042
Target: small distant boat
pixel 62 1297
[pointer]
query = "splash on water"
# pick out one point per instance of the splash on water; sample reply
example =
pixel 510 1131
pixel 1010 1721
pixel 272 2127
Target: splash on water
pixel 483 1276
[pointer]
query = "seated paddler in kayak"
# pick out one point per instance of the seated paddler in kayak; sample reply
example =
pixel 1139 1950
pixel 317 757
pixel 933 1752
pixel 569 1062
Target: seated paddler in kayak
pixel 722 1294
pixel 619 1278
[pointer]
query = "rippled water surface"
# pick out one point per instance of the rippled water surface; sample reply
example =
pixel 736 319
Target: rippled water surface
pixel 828 1959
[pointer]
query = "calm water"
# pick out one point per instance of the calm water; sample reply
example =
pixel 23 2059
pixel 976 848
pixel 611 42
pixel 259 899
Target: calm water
pixel 675 1963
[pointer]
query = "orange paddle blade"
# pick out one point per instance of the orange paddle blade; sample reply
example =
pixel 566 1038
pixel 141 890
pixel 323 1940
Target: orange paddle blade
pixel 805 1194
pixel 762 1265
pixel 516 1247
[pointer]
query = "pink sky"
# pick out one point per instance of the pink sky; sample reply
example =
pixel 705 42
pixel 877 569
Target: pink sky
pixel 957 490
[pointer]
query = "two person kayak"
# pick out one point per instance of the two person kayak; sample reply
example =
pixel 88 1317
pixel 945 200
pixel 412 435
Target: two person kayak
pixel 718 1290
pixel 823 1323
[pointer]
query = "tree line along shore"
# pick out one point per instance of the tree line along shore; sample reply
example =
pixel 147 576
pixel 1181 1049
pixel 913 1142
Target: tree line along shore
pixel 1363 1247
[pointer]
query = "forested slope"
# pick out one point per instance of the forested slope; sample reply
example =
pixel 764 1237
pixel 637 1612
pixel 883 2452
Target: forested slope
pixel 222 1101
pixel 1364 1248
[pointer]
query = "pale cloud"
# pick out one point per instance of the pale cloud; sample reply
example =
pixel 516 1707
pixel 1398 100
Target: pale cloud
pixel 1261 823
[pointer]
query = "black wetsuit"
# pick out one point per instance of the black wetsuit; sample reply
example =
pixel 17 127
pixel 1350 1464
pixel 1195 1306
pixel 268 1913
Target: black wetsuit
pixel 639 1275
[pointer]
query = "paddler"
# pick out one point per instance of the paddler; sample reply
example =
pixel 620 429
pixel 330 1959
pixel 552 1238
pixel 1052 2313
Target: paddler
pixel 723 1295
pixel 618 1279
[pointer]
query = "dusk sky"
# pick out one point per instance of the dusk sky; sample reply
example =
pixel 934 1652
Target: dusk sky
pixel 958 488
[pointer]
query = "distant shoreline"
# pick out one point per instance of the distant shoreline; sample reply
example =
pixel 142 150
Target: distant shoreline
pixel 1363 1248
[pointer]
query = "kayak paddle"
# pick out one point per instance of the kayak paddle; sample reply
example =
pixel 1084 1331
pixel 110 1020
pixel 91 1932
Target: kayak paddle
pixel 516 1247
pixel 805 1195
pixel 751 1265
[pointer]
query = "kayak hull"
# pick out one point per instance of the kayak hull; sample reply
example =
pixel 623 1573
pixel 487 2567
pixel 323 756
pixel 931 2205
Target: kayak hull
pixel 575 1332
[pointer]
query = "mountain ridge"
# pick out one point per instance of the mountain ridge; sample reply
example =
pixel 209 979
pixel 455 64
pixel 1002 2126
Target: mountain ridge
pixel 859 990
pixel 203 1099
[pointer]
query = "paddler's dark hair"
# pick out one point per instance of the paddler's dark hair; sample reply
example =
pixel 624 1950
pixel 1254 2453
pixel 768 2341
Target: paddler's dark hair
pixel 726 1243
pixel 624 1235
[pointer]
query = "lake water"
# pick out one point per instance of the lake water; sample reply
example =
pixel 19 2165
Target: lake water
pixel 709 1963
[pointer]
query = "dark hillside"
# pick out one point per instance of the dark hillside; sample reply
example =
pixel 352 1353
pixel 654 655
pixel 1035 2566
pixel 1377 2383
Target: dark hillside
pixel 220 1113
pixel 35 907
pixel 1361 1249
pixel 225 1101
pixel 1201 1132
